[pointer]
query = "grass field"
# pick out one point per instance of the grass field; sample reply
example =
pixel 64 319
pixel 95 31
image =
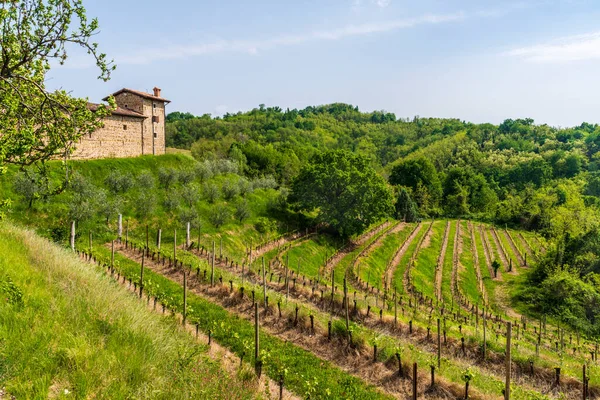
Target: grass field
pixel 67 331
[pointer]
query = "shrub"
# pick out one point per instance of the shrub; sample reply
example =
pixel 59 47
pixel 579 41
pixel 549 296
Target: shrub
pixel 219 216
pixel 244 187
pixel 145 180
pixel 186 176
pixel 26 187
pixel 229 189
pixel 108 208
pixel 189 215
pixel 145 204
pixel 211 192
pixel 264 225
pixel 171 201
pixel 119 182
pixel 167 177
pixel 203 171
pixel 190 194
pixel 242 210
pixel 224 166
pixel 267 182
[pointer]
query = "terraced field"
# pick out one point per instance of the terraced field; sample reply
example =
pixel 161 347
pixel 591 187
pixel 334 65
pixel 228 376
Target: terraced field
pixel 380 296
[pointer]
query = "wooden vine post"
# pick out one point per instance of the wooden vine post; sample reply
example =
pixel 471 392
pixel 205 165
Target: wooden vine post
pixel 256 340
pixel 184 296
pixel 158 238
pixel 90 243
pixel 346 304
pixel 212 266
pixel 72 238
pixel 264 284
pixel 126 233
pixel 395 309
pixel 120 227
pixel 112 257
pixel 439 344
pixel 508 362
pixel 142 274
pixel 287 282
pixel 187 235
pixel 484 338
pixel 414 382
pixel 221 247
pixel 175 248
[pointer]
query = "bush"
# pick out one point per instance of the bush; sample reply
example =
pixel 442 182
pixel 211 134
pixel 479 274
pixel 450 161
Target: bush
pixel 223 166
pixel 171 201
pixel 219 216
pixel 190 194
pixel 186 176
pixel 242 210
pixel 167 177
pixel 229 189
pixel 145 180
pixel 267 182
pixel 108 208
pixel 119 182
pixel 26 187
pixel 189 215
pixel 265 225
pixel 211 192
pixel 145 204
pixel 244 187
pixel 203 171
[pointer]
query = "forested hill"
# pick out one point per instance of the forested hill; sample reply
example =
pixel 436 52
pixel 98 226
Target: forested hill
pixel 518 173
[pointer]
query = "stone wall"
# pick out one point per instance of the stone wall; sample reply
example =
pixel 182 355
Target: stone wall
pixel 120 137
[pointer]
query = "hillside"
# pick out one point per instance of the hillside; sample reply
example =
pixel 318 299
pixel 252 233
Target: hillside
pixel 348 315
pixel 89 337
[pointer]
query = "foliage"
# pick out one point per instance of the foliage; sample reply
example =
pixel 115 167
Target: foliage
pixel 345 191
pixel 406 210
pixel 38 125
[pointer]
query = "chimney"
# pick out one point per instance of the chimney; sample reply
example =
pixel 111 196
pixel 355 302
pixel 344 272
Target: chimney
pixel 156 92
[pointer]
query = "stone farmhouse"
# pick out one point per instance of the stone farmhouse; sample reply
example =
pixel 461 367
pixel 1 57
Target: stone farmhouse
pixel 135 128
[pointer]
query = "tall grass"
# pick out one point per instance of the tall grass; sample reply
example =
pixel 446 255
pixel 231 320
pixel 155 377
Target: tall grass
pixel 76 334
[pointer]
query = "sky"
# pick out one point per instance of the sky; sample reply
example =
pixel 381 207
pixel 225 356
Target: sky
pixel 476 60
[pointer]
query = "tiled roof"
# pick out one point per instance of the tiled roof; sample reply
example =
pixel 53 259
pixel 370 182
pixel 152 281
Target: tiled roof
pixel 118 111
pixel 142 94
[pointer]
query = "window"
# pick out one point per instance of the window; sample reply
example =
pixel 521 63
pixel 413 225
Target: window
pixel 125 105
pixel 124 127
pixel 153 105
pixel 155 133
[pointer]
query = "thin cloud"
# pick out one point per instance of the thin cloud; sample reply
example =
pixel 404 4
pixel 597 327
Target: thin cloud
pixel 253 47
pixel 566 49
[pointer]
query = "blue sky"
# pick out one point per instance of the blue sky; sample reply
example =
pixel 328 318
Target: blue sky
pixel 480 61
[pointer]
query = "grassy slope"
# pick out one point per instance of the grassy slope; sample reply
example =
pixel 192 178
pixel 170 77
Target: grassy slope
pixel 51 216
pixel 401 268
pixel 424 272
pixel 467 278
pixel 89 337
pixel 380 256
pixel 447 271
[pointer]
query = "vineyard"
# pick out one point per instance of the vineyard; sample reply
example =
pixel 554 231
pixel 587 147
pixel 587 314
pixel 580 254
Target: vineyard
pixel 409 310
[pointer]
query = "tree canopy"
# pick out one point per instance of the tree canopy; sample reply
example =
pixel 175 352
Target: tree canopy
pixel 38 125
pixel 344 190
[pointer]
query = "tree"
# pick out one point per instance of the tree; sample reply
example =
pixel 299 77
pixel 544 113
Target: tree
pixel 344 190
pixel 219 216
pixel 421 177
pixel 242 210
pixel 38 125
pixel 27 187
pixel 406 209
